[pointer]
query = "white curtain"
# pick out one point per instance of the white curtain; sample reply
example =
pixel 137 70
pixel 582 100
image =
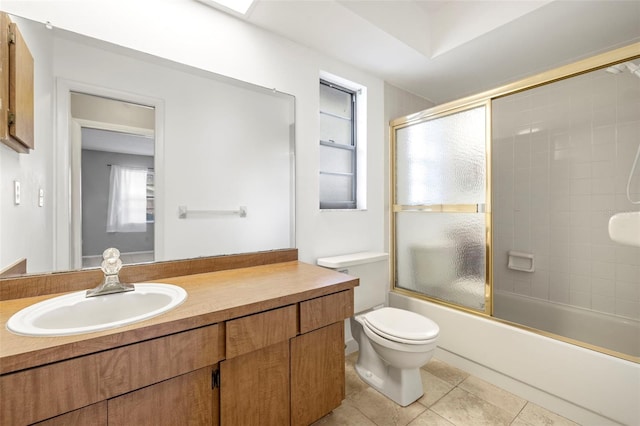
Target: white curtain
pixel 127 208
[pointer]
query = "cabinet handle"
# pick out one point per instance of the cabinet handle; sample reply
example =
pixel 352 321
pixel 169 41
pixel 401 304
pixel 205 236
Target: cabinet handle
pixel 215 379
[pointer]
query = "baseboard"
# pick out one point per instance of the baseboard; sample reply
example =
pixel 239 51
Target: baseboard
pixel 350 346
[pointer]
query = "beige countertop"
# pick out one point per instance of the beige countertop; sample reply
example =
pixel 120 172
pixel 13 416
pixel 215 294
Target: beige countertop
pixel 212 298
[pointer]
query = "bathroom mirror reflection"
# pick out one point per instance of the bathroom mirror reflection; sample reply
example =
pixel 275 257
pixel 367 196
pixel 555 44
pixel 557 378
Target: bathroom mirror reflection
pixel 218 144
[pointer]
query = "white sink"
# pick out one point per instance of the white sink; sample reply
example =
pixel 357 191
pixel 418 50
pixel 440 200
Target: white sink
pixel 76 314
pixel 624 228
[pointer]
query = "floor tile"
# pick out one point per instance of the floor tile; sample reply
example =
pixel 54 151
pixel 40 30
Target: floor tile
pixel 345 415
pixel 535 415
pixel 465 409
pixel 452 398
pixel 434 388
pixel 353 382
pixel 429 418
pixel 382 411
pixel 520 422
pixel 509 402
pixel 445 371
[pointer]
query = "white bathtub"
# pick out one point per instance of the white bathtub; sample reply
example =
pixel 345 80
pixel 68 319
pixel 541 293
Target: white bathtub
pixel 586 386
pixel 600 329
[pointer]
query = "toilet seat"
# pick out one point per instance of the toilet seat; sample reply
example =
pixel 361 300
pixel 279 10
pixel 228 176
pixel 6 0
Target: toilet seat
pixel 401 326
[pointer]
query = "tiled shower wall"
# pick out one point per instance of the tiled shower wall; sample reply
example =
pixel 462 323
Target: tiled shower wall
pixel 561 157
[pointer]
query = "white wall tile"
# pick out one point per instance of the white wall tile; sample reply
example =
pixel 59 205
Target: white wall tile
pixel 603 252
pixel 603 287
pixel 627 254
pixel 577 298
pixel 581 280
pixel 540 284
pixel 627 290
pixel 628 273
pixel 627 308
pixel 603 270
pixel 580 186
pixel 565 181
pixel 604 303
pixel 604 134
pixel 601 169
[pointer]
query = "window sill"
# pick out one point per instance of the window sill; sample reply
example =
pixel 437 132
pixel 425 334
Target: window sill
pixel 342 210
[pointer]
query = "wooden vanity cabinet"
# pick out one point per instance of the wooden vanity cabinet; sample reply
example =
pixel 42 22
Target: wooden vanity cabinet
pixel 186 399
pixel 284 366
pixel 91 415
pixel 155 371
pixel 317 357
pixel 254 377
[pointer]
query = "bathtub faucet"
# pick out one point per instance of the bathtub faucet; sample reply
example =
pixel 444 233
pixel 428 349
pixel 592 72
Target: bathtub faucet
pixel 111 283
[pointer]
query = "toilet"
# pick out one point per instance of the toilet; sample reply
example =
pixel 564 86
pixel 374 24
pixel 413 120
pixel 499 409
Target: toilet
pixel 393 343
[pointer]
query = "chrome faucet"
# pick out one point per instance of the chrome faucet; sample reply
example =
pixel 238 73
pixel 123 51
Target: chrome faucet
pixel 111 284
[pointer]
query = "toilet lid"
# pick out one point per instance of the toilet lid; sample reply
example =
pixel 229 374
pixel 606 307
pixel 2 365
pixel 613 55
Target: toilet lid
pixel 401 326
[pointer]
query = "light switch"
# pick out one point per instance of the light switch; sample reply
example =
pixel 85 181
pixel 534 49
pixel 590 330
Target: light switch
pixel 41 197
pixel 16 192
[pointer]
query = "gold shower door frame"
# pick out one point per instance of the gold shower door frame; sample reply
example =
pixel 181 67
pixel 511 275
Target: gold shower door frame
pixel 444 208
pixel 603 60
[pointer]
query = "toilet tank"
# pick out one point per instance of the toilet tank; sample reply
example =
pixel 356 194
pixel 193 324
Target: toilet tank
pixel 372 268
pixel 434 264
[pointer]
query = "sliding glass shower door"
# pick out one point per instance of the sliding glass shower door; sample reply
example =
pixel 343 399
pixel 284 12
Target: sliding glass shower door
pixel 440 216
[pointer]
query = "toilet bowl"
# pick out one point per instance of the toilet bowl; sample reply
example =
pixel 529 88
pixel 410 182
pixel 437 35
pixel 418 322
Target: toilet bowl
pixel 393 345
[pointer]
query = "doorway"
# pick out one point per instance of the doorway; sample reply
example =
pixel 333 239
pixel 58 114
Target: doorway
pixel 104 129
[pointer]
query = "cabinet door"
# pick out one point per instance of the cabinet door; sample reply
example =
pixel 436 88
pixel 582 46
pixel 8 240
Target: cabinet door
pixel 16 88
pixel 21 89
pixel 317 373
pixel 183 400
pixel 254 387
pixel 91 415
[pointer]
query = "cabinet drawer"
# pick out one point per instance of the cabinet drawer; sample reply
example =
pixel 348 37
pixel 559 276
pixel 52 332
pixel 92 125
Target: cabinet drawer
pixel 68 385
pixel 325 310
pixel 257 331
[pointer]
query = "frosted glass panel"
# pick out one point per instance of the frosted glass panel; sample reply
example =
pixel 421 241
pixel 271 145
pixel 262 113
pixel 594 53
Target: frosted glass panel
pixel 335 101
pixel 442 161
pixel 335 129
pixel 336 160
pixel 335 188
pixel 442 255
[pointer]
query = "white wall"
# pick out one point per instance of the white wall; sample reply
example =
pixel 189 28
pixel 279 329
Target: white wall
pixel 188 32
pixel 26 230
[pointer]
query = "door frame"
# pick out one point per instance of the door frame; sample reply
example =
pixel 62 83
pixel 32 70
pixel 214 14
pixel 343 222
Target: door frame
pixel 67 235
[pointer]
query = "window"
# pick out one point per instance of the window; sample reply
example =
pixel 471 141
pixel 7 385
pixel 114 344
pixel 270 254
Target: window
pixel 338 150
pixel 127 204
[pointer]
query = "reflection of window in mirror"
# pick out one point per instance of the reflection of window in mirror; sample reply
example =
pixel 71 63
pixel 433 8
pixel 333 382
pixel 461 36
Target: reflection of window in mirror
pixel 127 206
pixel 342 144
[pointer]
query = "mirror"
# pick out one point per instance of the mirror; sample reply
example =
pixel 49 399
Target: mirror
pixel 221 147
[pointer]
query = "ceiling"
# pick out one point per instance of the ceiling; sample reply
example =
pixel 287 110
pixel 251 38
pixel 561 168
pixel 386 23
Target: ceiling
pixel 445 50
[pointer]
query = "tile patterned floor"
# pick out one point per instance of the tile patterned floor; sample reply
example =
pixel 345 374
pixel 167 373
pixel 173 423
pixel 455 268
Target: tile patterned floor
pixel 452 398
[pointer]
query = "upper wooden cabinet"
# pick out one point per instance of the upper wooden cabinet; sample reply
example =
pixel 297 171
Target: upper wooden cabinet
pixel 16 93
